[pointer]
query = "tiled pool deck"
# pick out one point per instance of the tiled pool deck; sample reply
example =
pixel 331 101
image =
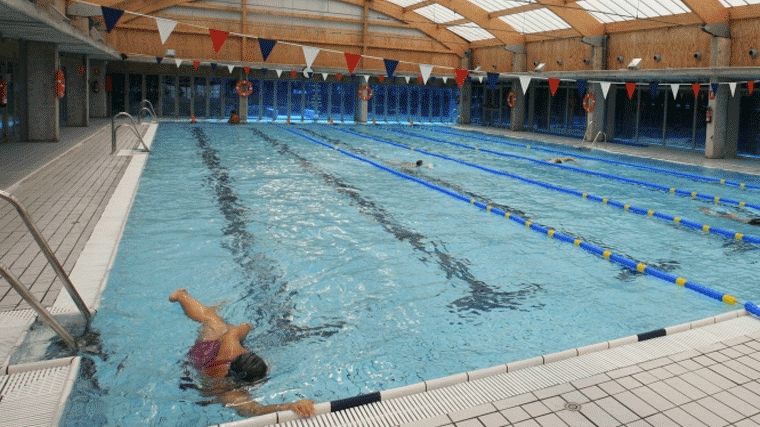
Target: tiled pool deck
pixel 708 375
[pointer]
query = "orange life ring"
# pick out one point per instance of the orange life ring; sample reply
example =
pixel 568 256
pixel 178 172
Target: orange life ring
pixel 512 99
pixel 365 92
pixel 60 84
pixel 246 92
pixel 589 102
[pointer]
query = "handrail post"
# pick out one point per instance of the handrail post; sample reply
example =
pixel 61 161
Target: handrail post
pixel 46 316
pixel 113 134
pixel 49 255
pixel 134 126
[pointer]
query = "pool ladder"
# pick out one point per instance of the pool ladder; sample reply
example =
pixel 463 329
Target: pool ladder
pixel 146 106
pixel 24 292
pixel 133 126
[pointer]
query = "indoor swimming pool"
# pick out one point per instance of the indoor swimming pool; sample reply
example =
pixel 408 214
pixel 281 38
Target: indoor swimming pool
pixel 360 272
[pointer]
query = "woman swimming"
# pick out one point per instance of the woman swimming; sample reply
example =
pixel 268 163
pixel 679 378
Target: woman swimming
pixel 722 213
pixel 219 354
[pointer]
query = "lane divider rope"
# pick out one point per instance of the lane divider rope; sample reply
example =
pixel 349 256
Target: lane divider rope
pixel 596 250
pixel 722 232
pixel 663 188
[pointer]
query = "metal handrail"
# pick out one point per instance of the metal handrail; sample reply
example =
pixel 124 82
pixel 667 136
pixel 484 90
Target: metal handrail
pixel 140 115
pixel 37 306
pixel 133 127
pixel 149 108
pixel 597 137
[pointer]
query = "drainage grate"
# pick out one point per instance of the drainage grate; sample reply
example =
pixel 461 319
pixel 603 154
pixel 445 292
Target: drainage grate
pixel 572 406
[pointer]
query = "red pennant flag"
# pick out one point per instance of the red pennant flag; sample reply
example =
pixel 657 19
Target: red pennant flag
pixel 352 60
pixel 419 79
pixel 381 78
pixel 246 69
pixel 460 76
pixel 218 38
pixel 631 86
pixel 339 76
pixel 196 64
pixel 695 88
pixel 293 74
pixel 553 85
pixel 751 86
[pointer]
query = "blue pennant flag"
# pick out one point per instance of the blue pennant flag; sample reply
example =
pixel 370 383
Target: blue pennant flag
pixel 714 88
pixel 653 88
pixel 264 71
pixel 159 59
pixel 111 16
pixel 390 67
pixel 213 66
pixel 493 78
pixel 582 86
pixel 266 47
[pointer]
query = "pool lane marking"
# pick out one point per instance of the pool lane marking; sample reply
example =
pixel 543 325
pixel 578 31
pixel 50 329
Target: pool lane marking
pixel 596 250
pixel 721 181
pixel 722 232
pixel 663 188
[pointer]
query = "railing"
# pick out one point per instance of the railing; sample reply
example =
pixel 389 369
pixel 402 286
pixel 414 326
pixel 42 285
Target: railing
pixel 114 128
pixel 56 267
pixel 146 105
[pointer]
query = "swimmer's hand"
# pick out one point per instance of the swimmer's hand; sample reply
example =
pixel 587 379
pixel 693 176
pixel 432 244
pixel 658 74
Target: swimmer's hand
pixel 304 408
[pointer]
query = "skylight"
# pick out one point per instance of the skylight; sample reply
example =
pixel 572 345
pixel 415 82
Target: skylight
pixel 732 3
pixel 497 5
pixel 471 32
pixel 535 21
pixel 405 3
pixel 438 14
pixel 625 10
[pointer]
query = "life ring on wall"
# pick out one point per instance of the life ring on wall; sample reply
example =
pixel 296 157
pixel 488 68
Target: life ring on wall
pixel 244 92
pixel 512 99
pixel 3 93
pixel 365 92
pixel 589 102
pixel 60 84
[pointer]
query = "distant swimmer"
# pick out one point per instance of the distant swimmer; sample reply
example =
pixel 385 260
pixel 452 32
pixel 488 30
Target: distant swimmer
pixel 417 164
pixel 560 160
pixel 722 213
pixel 234 118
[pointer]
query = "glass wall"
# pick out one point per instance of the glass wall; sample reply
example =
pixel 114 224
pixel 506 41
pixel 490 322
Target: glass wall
pixel 283 90
pixel 336 96
pixel 199 105
pixel 231 97
pixel 254 101
pixel 749 124
pixel 349 99
pixel 215 98
pixel 310 99
pixel 541 106
pixel 267 91
pixel 151 90
pixel 185 96
pixel 135 93
pixel 324 100
pixel 392 103
pixel 296 100
pixel 651 116
pixel 118 97
pixel 169 96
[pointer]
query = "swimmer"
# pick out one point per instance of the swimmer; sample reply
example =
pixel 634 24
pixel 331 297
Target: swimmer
pixel 722 213
pixel 417 164
pixel 234 118
pixel 219 355
pixel 560 160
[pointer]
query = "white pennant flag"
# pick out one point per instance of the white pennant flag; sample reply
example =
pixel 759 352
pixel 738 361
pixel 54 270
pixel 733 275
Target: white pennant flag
pixel 165 28
pixel 178 62
pixel 732 86
pixel 279 73
pixel 230 67
pixel 324 76
pixel 407 79
pixel 425 70
pixel 524 83
pixel 444 79
pixel 674 89
pixel 605 88
pixel 480 78
pixel 310 54
pixel 306 72
pixel 366 78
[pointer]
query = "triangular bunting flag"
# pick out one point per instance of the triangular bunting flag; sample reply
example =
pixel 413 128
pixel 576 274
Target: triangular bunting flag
pixel 213 66
pixel 425 70
pixel 159 59
pixel 654 88
pixel 230 67
pixel 480 78
pixel 419 79
pixel 352 60
pixel 266 47
pixel 674 88
pixel 751 86
pixel 714 87
pixel 339 76
pixel 178 62
pixel 390 66
pixel 461 75
pixel 381 78
pixel 407 79
pixel 444 79
pixel 695 88
pixel 196 64
pixel 493 78
pixel 218 38
pixel 307 72
pixel 324 76
pixel 165 28
pixel 293 73
pixel 111 16
pixel 582 87
pixel 263 71
pixel 279 73
pixel 605 88
pixel 524 83
pixel 366 78
pixel 631 87
pixel 732 86
pixel 247 69
pixel 553 85
pixel 310 54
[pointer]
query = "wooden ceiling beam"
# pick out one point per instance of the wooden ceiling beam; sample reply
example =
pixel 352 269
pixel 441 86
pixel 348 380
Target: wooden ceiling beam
pixel 419 5
pixel 575 16
pixel 709 11
pixel 514 10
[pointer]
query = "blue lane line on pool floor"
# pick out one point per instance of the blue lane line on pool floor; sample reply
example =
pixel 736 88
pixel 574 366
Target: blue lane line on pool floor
pixel 600 159
pixel 625 262
pixel 730 234
pixel 663 188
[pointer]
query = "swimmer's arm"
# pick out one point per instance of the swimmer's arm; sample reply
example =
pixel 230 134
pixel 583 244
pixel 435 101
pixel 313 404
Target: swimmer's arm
pixel 242 403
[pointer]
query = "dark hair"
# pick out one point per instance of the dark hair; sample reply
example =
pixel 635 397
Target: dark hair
pixel 419 162
pixel 233 112
pixel 248 367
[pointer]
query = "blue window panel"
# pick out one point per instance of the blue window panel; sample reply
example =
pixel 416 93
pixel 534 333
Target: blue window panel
pixel 324 100
pixel 425 100
pixel 296 96
pixel 336 97
pixel 392 101
pixel 414 103
pixel 215 98
pixel 282 100
pixel 168 95
pixel 185 96
pixel 267 92
pixel 310 92
pixel 254 106
pixel 231 97
pixel 403 103
pixel 199 93
pixel 349 98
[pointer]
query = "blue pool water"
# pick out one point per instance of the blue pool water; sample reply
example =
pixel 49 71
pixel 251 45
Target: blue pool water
pixel 357 279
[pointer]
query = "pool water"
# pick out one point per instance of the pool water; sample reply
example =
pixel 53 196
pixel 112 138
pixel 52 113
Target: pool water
pixel 358 280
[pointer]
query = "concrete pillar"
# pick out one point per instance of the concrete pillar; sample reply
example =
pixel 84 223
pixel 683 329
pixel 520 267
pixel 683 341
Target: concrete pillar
pixel 77 90
pixel 595 120
pixel 464 99
pixel 717 143
pixel 361 107
pixel 40 59
pixel 98 99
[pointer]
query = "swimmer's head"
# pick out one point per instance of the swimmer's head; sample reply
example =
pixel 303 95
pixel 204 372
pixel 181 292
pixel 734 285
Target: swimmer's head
pixel 233 112
pixel 248 367
pixel 419 163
